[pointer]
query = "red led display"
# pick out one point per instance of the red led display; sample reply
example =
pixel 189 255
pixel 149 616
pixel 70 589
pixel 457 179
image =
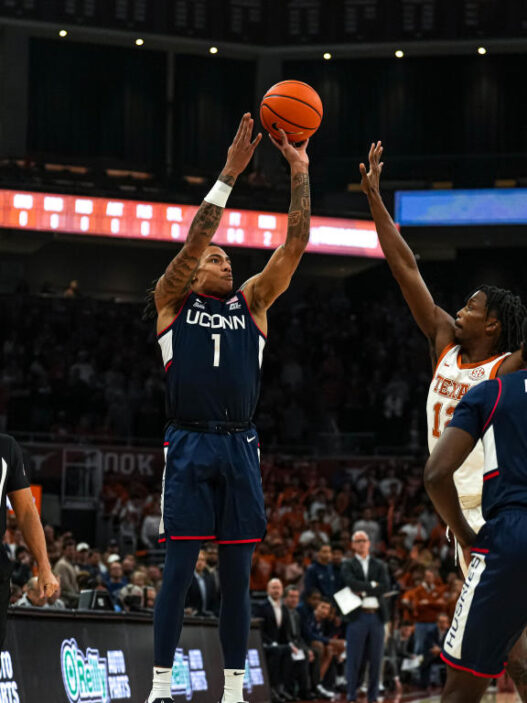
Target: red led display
pixel 130 219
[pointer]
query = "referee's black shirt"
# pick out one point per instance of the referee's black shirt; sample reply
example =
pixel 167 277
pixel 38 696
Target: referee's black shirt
pixel 12 478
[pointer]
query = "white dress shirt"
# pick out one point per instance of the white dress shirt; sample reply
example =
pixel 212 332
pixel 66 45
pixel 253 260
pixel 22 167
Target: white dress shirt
pixel 277 607
pixel 364 562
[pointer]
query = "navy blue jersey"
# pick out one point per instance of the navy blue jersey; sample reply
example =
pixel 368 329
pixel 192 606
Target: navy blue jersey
pixel 496 412
pixel 212 352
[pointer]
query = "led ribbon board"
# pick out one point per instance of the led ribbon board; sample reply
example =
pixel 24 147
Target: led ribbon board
pixel 129 219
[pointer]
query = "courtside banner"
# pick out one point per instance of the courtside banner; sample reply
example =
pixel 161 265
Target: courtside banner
pixel 131 219
pixel 85 658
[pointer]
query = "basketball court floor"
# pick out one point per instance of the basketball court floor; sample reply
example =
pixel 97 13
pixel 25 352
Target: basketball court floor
pixel 490 697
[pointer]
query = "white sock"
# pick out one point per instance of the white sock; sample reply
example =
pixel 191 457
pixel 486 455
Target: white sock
pixel 233 691
pixel 161 683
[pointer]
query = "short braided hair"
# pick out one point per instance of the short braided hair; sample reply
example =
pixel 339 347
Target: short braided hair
pixel 510 311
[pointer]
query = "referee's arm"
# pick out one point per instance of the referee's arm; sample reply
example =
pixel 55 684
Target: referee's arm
pixel 29 523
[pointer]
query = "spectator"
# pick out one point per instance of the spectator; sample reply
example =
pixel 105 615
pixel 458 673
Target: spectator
pixel 306 668
pixel 115 580
pixel 202 595
pixel 314 534
pixel 150 527
pixel 211 559
pixel 413 529
pixel 23 566
pixel 150 597
pixel 368 578
pixel 65 571
pixel 94 565
pixel 139 578
pixel 262 568
pixel 129 564
pixel 427 601
pixel 433 645
pixel 131 598
pixel 82 557
pixel 314 632
pixel 403 646
pixel 32 596
pixel 368 525
pixel 15 595
pixel 320 574
pixel 308 606
pixel 336 560
pixel 293 573
pixel 276 637
pixel 154 576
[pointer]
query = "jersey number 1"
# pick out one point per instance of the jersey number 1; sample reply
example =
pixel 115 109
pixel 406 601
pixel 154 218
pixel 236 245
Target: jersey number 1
pixel 216 338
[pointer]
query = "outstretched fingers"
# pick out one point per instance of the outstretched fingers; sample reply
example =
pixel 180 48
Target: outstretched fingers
pixel 242 127
pixel 256 141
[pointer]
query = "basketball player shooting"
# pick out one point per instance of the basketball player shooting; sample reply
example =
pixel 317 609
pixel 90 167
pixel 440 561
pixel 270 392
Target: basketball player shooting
pixel 212 340
pixel 481 343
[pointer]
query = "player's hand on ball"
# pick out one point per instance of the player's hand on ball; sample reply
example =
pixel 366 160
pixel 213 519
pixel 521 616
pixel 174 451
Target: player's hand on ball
pixel 293 154
pixel 48 583
pixel 242 148
pixel 370 179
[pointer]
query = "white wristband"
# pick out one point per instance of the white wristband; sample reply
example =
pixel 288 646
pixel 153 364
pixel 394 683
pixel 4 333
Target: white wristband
pixel 218 194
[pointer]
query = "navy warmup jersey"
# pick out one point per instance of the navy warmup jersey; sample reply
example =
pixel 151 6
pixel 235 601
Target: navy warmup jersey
pixel 496 412
pixel 212 352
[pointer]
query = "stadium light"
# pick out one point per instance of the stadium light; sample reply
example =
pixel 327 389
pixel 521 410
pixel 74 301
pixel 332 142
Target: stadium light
pixel 63 33
pixel 399 53
pixel 327 56
pixel 481 50
pixel 139 42
pixel 213 50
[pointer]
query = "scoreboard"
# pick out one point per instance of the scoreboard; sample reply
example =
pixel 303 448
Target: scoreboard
pixel 131 219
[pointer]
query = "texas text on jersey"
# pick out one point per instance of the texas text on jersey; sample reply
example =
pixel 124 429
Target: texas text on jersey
pixel 452 380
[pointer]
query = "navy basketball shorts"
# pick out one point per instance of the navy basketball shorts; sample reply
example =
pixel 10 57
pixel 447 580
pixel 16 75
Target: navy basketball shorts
pixel 491 612
pixel 212 487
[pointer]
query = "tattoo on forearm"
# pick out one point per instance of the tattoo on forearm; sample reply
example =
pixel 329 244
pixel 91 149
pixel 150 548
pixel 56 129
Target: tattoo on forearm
pixel 227 179
pixel 300 209
pixel 179 274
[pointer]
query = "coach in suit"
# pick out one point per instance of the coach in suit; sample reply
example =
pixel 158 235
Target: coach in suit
pixel 202 595
pixel 368 578
pixel 276 638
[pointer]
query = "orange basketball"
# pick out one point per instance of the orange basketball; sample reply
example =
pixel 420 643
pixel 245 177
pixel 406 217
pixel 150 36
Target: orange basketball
pixel 295 107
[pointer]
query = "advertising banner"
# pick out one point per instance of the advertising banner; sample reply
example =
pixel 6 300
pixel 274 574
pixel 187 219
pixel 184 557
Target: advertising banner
pixel 103 658
pixel 137 463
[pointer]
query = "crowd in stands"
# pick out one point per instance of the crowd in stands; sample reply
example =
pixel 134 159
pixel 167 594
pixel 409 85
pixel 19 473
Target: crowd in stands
pixel 298 565
pixel 75 367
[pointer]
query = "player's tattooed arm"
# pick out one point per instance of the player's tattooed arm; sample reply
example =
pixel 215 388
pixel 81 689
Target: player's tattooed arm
pixel 434 322
pixel 175 283
pixel 299 217
pixel 263 289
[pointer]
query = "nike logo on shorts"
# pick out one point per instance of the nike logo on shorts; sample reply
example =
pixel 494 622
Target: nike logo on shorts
pixel 250 439
pixel 239 673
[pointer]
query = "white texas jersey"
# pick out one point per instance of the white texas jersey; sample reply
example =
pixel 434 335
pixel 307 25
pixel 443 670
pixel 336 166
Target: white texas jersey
pixel 452 379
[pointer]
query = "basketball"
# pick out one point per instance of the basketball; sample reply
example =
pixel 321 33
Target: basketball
pixel 293 106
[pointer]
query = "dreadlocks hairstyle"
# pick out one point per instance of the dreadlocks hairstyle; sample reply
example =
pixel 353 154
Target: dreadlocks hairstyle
pixel 510 312
pixel 149 310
